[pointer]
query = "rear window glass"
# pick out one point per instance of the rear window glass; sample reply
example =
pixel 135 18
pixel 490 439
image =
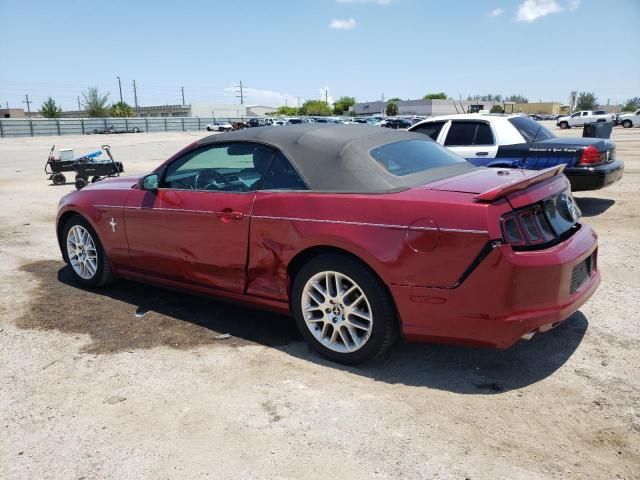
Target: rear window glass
pixel 411 156
pixel 432 129
pixel 530 129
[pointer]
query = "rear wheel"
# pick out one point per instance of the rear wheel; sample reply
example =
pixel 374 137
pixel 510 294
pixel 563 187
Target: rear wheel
pixel 58 179
pixel 86 257
pixel 563 125
pixel 81 182
pixel 343 310
pixel 627 124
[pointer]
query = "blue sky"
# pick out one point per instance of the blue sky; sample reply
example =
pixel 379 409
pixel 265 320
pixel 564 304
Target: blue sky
pixel 287 49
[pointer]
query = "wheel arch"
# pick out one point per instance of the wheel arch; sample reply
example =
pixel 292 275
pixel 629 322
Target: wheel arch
pixel 62 221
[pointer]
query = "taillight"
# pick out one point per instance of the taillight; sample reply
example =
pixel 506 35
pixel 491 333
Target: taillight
pixel 526 227
pixel 592 155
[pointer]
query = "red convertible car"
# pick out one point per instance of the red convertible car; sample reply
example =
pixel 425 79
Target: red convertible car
pixel 361 234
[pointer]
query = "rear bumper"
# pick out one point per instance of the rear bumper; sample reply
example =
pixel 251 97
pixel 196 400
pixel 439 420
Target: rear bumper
pixel 509 295
pixel 594 178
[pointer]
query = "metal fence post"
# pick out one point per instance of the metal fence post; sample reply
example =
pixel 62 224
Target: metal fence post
pixel 183 124
pixel 146 123
pixel 199 126
pixel 105 123
pixel 82 125
pixel 165 124
pixel 126 124
pixel 31 127
pixel 1 129
pixel 58 125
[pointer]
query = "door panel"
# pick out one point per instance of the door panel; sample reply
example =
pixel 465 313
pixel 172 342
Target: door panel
pixel 190 236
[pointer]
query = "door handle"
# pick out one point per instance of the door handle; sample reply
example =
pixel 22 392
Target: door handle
pixel 482 153
pixel 228 214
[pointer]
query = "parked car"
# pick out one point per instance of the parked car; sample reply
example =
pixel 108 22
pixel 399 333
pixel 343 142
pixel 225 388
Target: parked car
pixel 519 142
pixel 361 235
pixel 583 117
pixel 628 120
pixel 219 127
pixel 396 123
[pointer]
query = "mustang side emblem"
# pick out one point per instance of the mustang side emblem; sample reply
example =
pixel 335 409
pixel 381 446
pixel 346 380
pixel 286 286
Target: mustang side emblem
pixel 113 224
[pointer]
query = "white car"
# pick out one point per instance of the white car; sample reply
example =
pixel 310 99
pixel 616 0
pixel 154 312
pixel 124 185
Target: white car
pixel 516 141
pixel 628 120
pixel 219 127
pixel 578 119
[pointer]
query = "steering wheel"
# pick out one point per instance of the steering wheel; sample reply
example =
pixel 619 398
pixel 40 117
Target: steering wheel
pixel 207 177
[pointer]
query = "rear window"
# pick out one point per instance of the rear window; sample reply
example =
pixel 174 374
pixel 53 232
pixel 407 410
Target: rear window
pixel 530 129
pixel 411 156
pixel 432 129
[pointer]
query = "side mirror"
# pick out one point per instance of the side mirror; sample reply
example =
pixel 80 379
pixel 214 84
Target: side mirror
pixel 148 182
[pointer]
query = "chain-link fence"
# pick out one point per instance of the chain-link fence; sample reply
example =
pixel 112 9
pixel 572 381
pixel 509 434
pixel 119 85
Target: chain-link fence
pixel 14 127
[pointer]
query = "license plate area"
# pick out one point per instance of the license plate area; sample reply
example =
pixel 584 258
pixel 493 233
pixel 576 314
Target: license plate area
pixel 581 273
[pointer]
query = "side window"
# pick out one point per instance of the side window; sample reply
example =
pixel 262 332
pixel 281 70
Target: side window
pixel 281 175
pixel 432 129
pixel 233 167
pixel 469 133
pixel 576 115
pixel 584 114
pixel 484 135
pixel 461 134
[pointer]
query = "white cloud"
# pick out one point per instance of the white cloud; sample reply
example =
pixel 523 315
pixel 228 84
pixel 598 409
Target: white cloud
pixel 346 24
pixel 379 2
pixel 531 10
pixel 270 98
pixel 496 12
pixel 573 5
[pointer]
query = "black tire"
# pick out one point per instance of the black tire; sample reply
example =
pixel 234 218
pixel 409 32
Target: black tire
pixel 95 179
pixel 384 330
pixel 208 129
pixel 58 179
pixel 81 182
pixel 563 125
pixel 627 124
pixel 103 274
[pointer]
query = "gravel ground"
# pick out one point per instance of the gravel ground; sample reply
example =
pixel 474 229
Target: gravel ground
pixel 137 382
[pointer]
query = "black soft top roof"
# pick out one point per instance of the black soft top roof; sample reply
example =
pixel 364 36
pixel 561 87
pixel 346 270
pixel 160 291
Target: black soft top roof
pixel 335 158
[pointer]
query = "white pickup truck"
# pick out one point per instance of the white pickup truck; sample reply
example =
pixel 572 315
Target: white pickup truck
pixel 583 117
pixel 628 120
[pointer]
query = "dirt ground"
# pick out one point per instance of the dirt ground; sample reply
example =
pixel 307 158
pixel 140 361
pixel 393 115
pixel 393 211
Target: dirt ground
pixel 137 382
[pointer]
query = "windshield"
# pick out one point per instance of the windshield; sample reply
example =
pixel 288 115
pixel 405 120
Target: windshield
pixel 411 156
pixel 530 129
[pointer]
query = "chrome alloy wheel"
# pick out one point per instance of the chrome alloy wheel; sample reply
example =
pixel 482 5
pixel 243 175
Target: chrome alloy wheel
pixel 82 252
pixel 337 312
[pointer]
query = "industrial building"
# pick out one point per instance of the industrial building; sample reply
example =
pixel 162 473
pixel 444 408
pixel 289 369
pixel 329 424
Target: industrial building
pixel 199 109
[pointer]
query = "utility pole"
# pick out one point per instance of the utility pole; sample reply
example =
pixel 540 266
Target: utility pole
pixel 241 90
pixel 182 88
pixel 28 102
pixel 286 103
pixel 7 105
pixel 298 102
pixel 79 107
pixel 135 94
pixel 382 112
pixel 326 96
pixel 120 87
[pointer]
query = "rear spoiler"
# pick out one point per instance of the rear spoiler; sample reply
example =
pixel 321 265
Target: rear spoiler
pixel 519 184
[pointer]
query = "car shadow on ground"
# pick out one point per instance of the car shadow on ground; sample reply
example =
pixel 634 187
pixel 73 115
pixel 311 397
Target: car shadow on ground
pixel 127 315
pixel 591 206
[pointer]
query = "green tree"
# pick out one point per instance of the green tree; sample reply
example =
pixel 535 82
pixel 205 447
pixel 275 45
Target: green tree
pixel 95 104
pixel 315 107
pixel 287 111
pixel 342 105
pixel 586 101
pixel 435 96
pixel 121 109
pixel 517 98
pixel 496 109
pixel 395 99
pixel 50 109
pixel 392 109
pixel 632 105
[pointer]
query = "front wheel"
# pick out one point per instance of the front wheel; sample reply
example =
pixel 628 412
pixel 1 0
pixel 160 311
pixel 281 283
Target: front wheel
pixel 563 125
pixel 343 310
pixel 627 124
pixel 89 263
